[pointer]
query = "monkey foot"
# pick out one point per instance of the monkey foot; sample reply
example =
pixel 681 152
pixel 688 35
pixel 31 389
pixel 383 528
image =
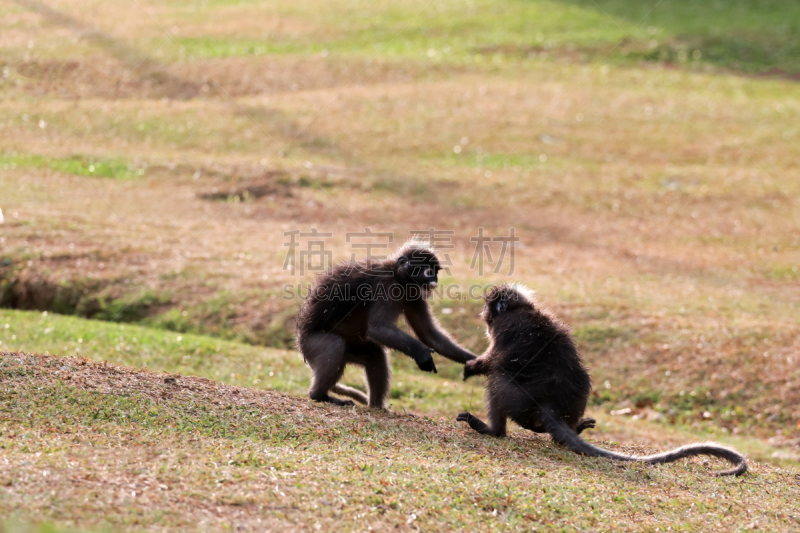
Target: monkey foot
pixel 334 401
pixel 585 423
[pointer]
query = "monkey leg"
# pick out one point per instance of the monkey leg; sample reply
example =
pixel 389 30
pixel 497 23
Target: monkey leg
pixel 350 392
pixel 379 374
pixel 377 371
pixel 475 423
pixel 498 418
pixel 324 353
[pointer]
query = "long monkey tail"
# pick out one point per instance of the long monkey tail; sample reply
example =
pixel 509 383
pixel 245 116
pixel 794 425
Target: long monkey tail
pixel 350 392
pixel 563 434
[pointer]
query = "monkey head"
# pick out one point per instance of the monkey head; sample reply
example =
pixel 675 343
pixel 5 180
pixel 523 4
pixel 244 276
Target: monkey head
pixel 506 298
pixel 419 265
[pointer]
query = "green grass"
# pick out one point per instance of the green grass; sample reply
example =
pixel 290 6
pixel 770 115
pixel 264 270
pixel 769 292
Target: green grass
pixel 504 161
pixel 743 34
pixel 156 349
pixel 77 165
pixel 208 47
pixel 215 316
pixel 784 272
pixel 17 526
pixel 227 361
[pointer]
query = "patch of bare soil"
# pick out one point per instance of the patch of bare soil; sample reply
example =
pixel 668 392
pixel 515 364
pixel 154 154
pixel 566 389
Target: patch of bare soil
pixel 110 76
pixel 104 378
pixel 101 76
pixel 268 184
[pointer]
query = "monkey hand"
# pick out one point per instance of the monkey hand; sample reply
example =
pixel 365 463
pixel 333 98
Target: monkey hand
pixel 425 361
pixel 469 370
pixel 463 417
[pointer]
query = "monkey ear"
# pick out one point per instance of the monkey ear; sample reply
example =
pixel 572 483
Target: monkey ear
pixel 501 307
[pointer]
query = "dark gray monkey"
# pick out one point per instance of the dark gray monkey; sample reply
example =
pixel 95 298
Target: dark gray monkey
pixel 351 314
pixel 538 379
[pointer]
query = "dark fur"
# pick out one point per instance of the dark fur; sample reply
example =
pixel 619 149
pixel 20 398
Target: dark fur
pixel 537 378
pixel 348 320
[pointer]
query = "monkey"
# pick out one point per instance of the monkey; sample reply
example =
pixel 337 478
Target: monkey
pixel 350 317
pixel 537 378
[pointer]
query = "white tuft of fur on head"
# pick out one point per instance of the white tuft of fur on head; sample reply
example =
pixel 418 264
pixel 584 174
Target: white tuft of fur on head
pixel 524 291
pixel 415 243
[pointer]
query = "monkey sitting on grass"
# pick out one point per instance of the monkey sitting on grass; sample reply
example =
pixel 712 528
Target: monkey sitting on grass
pixel 350 315
pixel 537 378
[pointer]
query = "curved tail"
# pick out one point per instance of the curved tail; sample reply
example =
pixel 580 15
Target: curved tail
pixel 350 392
pixel 563 434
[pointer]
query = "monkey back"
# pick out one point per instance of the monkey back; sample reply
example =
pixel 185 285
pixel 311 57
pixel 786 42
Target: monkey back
pixel 537 353
pixel 342 293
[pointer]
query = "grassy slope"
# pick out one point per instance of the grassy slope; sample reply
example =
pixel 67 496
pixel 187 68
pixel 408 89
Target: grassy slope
pixel 230 362
pixel 215 449
pixel 439 395
pixel 108 446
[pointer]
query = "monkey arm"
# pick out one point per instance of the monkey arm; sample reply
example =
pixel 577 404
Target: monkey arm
pixel 393 337
pixel 381 329
pixel 477 367
pixel 429 331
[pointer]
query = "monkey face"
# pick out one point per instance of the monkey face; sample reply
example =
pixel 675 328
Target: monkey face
pixel 421 267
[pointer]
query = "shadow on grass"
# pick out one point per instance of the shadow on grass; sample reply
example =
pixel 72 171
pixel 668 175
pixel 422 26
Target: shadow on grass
pixel 756 36
pixel 144 66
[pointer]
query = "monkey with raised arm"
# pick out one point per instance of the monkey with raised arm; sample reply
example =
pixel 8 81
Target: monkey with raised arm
pixel 350 318
pixel 537 378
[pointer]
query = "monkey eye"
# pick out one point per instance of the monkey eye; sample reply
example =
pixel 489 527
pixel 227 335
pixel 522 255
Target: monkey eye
pixel 429 273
